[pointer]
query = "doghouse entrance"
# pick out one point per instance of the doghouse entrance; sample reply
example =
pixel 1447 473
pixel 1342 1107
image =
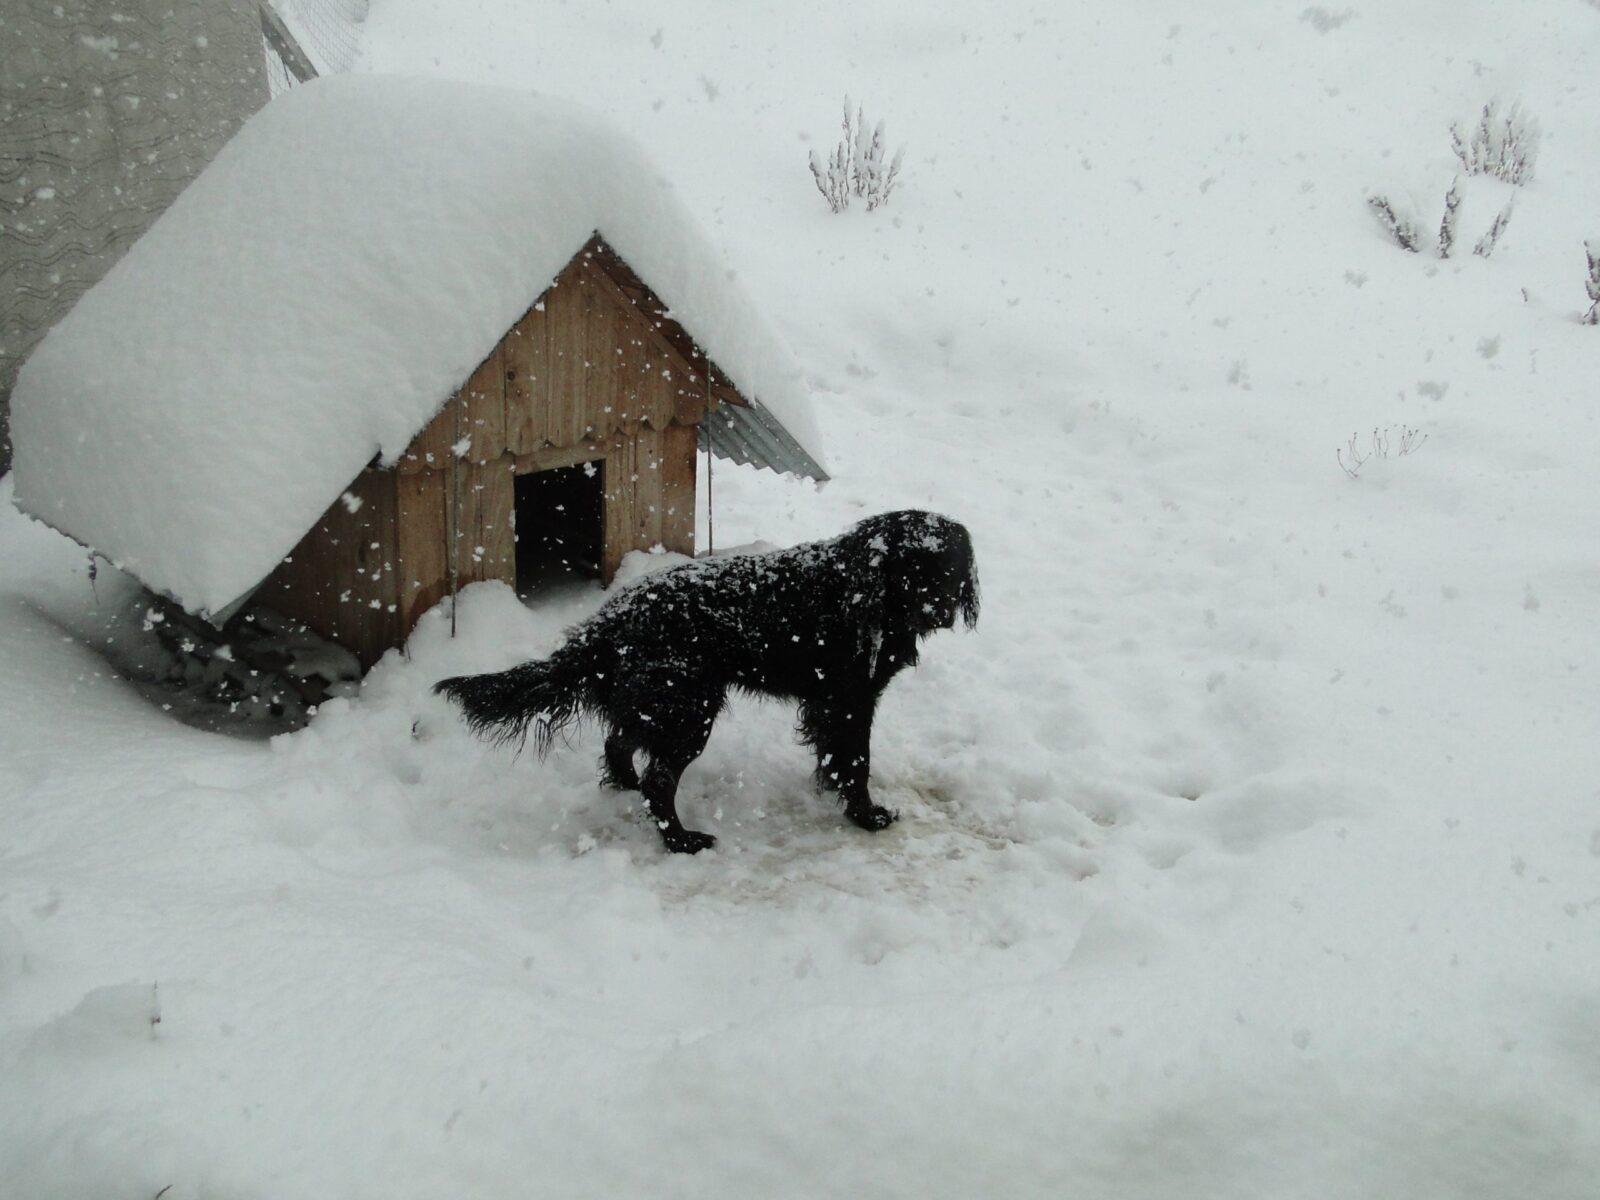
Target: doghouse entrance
pixel 558 526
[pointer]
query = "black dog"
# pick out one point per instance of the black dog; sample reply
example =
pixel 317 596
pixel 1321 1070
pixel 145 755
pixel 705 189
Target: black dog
pixel 828 624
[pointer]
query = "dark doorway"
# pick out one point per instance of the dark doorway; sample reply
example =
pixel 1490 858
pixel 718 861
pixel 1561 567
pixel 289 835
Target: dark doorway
pixel 558 526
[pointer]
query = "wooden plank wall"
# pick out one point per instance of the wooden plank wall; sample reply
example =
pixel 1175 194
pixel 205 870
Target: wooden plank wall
pixel 586 375
pixel 341 579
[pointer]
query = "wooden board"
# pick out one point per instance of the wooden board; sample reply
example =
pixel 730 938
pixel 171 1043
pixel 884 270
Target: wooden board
pixel 486 544
pixel 552 457
pixel 423 569
pixel 431 450
pixel 525 354
pixel 646 524
pixel 566 314
pixel 484 413
pixel 678 444
pixel 633 378
pixel 689 406
pixel 340 580
pixel 617 523
pixel 606 330
pixel 477 412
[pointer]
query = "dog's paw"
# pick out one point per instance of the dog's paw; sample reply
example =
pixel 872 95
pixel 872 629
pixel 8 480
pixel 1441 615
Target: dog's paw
pixel 687 841
pixel 870 816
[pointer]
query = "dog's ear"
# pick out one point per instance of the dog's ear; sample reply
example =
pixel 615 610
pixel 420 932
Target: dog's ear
pixel 968 598
pixel 960 560
pixel 869 600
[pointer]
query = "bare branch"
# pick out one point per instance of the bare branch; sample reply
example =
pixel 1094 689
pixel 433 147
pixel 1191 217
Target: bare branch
pixel 1402 229
pixel 1591 285
pixel 1351 460
pixel 1447 226
pixel 1352 465
pixel 1486 243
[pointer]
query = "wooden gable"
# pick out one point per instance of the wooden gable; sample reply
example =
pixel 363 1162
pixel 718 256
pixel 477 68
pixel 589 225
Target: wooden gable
pixel 586 362
pixel 596 371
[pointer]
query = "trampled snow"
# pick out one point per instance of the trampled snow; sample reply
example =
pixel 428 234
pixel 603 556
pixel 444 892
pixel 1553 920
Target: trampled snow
pixel 310 301
pixel 1250 847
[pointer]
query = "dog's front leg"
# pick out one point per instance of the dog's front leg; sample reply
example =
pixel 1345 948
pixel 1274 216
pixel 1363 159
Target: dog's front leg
pixel 842 733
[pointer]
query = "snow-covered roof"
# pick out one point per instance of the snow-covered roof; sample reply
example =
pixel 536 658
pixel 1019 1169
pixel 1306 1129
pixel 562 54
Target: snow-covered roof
pixel 313 298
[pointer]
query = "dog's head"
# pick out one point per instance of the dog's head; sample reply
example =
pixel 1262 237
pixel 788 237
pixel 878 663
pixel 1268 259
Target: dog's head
pixel 929 570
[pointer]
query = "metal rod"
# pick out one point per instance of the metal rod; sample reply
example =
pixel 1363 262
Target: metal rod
pixel 711 512
pixel 453 524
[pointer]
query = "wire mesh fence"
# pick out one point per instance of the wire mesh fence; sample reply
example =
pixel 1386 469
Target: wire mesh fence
pixel 310 37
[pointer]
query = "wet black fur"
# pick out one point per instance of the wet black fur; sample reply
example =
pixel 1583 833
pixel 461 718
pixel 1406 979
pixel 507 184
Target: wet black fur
pixel 826 624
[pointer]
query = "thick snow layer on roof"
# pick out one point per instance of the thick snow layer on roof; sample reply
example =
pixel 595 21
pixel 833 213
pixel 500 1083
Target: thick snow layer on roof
pixel 316 294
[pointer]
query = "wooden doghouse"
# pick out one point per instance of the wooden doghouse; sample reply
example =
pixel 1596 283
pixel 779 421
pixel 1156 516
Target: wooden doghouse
pixel 576 437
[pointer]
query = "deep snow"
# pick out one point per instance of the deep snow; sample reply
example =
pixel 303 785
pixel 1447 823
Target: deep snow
pixel 1249 847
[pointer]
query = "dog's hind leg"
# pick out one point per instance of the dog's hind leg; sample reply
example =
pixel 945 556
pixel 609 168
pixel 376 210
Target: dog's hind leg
pixel 660 788
pixel 617 769
pixel 669 713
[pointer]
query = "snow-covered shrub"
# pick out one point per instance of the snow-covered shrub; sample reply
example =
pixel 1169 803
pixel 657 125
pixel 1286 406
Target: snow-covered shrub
pixel 1382 443
pixel 1503 146
pixel 856 166
pixel 1592 285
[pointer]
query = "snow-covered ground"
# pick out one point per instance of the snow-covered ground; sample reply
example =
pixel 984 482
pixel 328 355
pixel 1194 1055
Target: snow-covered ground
pixel 1250 847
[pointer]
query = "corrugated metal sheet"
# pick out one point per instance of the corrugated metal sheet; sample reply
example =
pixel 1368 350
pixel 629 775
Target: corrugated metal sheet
pixel 753 435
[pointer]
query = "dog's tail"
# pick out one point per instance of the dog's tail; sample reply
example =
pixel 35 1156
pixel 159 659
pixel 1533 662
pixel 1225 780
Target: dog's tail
pixel 545 697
